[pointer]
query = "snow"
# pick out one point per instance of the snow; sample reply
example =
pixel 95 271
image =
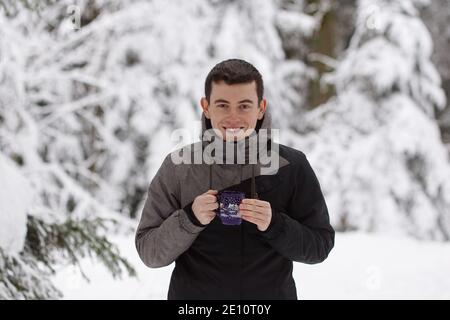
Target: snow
pixel 291 21
pixel 376 147
pixel 89 98
pixel 15 198
pixel 367 266
pixel 397 53
pixel 361 266
pixel 388 175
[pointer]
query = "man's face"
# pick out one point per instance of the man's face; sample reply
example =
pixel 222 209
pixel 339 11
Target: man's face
pixel 233 109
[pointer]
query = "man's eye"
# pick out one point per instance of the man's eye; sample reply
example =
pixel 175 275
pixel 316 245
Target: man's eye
pixel 221 105
pixel 245 106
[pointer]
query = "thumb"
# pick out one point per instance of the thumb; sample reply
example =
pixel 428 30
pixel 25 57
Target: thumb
pixel 211 192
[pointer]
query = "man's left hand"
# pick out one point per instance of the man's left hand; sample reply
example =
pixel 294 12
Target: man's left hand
pixel 256 211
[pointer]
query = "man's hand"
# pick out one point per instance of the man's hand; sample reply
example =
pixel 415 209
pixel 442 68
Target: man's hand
pixel 256 211
pixel 204 205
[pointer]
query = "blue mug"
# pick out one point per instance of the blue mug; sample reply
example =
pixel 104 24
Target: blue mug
pixel 228 210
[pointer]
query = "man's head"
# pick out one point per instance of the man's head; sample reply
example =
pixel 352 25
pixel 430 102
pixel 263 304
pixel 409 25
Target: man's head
pixel 233 99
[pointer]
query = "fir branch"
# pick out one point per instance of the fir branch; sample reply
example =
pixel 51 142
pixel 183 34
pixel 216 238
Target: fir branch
pixel 73 240
pixel 21 278
pixel 27 275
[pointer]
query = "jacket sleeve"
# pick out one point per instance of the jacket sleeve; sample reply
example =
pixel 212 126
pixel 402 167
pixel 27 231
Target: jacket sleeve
pixel 165 231
pixel 304 233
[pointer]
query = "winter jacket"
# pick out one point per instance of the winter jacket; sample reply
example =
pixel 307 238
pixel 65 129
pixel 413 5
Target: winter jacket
pixel 234 262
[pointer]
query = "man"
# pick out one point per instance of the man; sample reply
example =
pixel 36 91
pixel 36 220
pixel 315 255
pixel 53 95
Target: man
pixel 284 215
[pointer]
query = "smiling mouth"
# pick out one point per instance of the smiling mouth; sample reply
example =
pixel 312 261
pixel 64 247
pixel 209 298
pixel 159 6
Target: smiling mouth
pixel 233 130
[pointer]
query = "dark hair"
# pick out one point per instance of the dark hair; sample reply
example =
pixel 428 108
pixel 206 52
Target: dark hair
pixel 234 71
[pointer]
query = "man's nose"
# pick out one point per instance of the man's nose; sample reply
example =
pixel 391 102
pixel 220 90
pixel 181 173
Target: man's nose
pixel 233 115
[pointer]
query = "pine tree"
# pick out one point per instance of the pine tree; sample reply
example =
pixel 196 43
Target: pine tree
pixel 64 223
pixel 88 104
pixel 376 146
pixel 436 15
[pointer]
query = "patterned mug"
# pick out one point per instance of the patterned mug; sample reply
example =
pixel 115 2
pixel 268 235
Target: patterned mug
pixel 229 202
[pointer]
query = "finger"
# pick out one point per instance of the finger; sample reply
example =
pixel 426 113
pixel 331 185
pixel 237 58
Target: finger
pixel 210 214
pixel 209 198
pixel 252 220
pixel 256 202
pixel 211 191
pixel 261 210
pixel 208 217
pixel 253 215
pixel 211 206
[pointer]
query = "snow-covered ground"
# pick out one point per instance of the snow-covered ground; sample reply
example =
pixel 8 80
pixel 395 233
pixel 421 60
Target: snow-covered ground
pixel 361 266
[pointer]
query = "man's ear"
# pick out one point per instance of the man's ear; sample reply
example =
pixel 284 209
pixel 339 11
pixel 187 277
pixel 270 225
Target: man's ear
pixel 262 108
pixel 205 106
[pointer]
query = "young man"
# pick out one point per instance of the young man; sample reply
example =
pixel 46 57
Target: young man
pixel 284 215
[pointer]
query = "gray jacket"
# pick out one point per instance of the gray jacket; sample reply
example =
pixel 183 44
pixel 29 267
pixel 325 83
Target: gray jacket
pixel 169 231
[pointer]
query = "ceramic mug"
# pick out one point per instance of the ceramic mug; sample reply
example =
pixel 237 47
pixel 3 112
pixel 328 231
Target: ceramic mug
pixel 228 210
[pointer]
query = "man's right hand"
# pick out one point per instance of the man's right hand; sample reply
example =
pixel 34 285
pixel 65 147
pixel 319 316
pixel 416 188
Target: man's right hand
pixel 204 205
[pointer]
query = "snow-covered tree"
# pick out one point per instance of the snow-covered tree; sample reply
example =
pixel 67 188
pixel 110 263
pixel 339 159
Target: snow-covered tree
pixel 436 15
pixel 88 104
pixel 376 146
pixel 48 218
pixel 136 72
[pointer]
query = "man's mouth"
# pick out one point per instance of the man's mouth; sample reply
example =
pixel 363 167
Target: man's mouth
pixel 233 130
